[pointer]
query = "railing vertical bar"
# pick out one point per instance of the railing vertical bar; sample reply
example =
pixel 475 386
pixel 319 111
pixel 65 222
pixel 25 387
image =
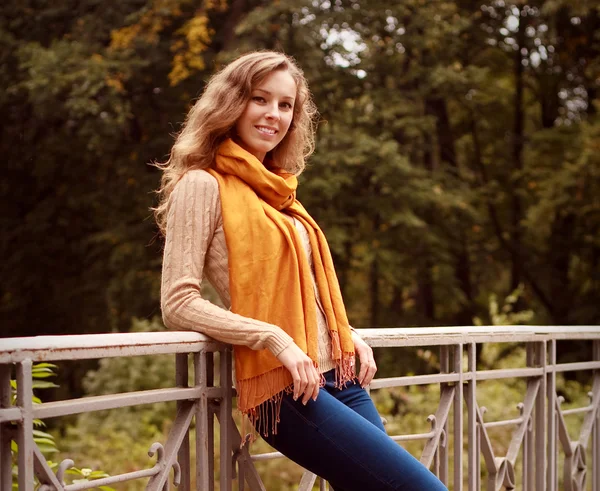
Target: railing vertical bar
pixel 202 423
pixel 5 435
pixel 225 416
pixel 551 448
pixel 183 456
pixel 473 452
pixel 596 454
pixel 477 458
pixel 528 442
pixel 540 419
pixel 596 433
pixel 212 410
pixel 25 431
pixel 458 418
pixel 526 462
pixel 443 445
pixel 558 445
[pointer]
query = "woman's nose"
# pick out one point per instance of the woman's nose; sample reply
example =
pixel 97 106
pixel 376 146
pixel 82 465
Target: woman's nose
pixel 273 112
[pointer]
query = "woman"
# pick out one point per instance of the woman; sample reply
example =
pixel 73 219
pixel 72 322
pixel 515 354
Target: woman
pixel 228 211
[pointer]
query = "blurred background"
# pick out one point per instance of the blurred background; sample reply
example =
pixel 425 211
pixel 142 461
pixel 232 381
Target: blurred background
pixel 458 151
pixel 456 176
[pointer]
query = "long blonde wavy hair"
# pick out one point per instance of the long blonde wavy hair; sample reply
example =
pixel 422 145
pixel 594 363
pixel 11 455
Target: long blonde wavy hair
pixel 212 119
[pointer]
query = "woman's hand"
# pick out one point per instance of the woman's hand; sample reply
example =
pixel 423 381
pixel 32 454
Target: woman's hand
pixel 368 367
pixel 304 374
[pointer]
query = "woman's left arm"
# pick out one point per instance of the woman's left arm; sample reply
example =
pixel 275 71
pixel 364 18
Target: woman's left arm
pixel 368 367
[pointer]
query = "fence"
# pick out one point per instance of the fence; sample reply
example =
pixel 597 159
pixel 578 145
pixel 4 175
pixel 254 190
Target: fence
pixel 540 442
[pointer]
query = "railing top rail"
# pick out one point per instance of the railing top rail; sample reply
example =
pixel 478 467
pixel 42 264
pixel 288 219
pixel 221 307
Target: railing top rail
pixel 86 346
pixel 424 336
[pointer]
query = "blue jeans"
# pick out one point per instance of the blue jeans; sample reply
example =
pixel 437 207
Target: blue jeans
pixel 340 438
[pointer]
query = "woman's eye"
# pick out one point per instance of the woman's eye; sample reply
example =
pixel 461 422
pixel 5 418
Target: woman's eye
pixel 258 98
pixel 286 105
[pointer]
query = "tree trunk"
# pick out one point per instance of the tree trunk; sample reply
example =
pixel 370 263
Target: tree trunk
pixel 497 225
pixel 549 101
pixel 436 106
pixel 342 267
pixel 374 292
pixel 559 259
pixel 374 280
pixel 425 298
pixel 235 13
pixel 517 157
pixel 397 305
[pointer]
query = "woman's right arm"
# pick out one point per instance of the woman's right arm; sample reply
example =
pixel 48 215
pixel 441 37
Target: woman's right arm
pixel 194 206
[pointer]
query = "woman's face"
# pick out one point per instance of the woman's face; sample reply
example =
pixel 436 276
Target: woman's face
pixel 268 114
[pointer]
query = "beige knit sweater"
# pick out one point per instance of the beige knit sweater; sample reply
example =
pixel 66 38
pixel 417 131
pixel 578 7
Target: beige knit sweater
pixel 195 247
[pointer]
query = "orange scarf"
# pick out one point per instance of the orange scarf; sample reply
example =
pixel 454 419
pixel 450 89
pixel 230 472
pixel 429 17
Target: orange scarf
pixel 269 275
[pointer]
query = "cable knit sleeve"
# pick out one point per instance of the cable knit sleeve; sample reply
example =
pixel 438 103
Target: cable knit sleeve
pixel 193 211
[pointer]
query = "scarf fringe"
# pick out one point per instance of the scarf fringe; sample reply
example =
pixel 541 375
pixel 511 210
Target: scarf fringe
pixel 264 417
pixel 345 371
pixel 260 416
pixel 345 361
pixel 253 391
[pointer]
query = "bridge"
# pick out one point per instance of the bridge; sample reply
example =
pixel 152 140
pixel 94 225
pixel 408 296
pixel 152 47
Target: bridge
pixel 542 454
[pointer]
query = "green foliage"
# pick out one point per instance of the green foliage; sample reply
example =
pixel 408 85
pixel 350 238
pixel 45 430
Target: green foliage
pixel 429 197
pixel 45 441
pixel 506 315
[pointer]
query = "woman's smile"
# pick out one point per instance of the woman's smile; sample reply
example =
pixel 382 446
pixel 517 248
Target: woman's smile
pixel 266 130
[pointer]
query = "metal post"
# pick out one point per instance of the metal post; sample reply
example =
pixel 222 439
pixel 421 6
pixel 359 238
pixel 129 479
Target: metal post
pixel 183 456
pixel 477 458
pixel 212 410
pixel 473 462
pixel 528 445
pixel 540 419
pixel 596 433
pixel 25 431
pixel 596 454
pixel 526 458
pixel 442 451
pixel 225 417
pixel 458 418
pixel 202 441
pixel 5 437
pixel 551 448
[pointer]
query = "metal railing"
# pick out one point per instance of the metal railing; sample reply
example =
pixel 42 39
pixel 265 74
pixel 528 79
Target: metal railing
pixel 540 442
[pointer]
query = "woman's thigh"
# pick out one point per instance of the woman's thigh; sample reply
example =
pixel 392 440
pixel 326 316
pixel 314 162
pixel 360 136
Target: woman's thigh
pixel 356 398
pixel 335 442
